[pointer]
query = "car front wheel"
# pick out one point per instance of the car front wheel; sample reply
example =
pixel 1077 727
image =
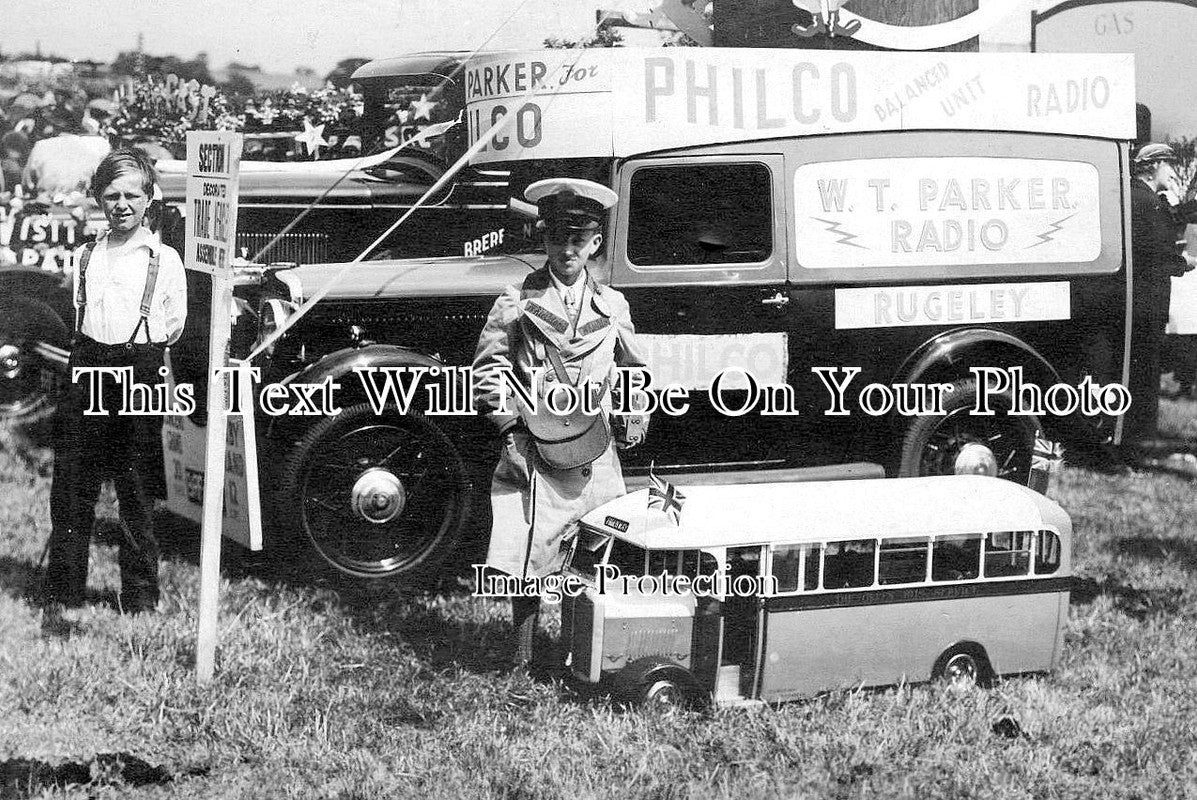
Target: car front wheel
pixel 375 495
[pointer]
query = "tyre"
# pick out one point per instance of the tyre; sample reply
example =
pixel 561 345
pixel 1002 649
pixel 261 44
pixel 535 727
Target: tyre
pixel 375 496
pixel 963 665
pixel 962 443
pixel 658 684
pixel 24 323
pixel 663 693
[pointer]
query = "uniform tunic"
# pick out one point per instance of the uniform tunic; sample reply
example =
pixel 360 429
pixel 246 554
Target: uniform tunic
pixel 534 506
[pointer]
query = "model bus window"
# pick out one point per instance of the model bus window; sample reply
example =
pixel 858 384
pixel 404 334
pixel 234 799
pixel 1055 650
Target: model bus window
pixel 1047 553
pixel 696 562
pixel 627 558
pixel 787 563
pixel 814 560
pixel 700 214
pixel 588 552
pixel 903 561
pixel 956 558
pixel 849 565
pixel 662 562
pixel 1007 554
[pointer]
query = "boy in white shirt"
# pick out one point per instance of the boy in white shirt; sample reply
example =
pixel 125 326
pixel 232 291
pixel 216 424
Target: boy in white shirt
pixel 131 301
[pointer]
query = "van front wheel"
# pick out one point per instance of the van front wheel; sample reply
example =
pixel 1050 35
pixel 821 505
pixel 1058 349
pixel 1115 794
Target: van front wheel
pixel 960 442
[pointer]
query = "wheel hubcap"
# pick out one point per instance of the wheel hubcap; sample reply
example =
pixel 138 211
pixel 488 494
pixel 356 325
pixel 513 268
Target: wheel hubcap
pixel 975 458
pixel 10 361
pixel 665 693
pixel 961 668
pixel 378 496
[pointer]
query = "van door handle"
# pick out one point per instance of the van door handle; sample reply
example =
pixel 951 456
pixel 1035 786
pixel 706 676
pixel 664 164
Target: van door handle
pixel 778 299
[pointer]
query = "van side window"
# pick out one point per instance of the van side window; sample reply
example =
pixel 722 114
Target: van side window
pixel 849 565
pixel 787 559
pixel 1007 554
pixel 956 558
pixel 1047 553
pixel 902 561
pixel 700 214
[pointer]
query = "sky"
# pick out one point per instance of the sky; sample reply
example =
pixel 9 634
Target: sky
pixel 281 35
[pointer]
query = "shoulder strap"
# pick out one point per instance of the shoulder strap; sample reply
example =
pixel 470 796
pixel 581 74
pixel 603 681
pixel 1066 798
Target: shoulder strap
pixel 151 281
pixel 558 365
pixel 81 282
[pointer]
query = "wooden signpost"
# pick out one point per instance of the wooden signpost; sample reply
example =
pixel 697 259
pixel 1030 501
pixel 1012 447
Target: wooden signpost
pixel 213 161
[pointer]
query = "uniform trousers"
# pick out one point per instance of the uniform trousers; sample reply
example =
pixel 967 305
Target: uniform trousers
pixel 91 448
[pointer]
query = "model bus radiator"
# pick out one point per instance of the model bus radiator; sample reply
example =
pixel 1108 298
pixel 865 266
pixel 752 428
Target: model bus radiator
pixel 301 248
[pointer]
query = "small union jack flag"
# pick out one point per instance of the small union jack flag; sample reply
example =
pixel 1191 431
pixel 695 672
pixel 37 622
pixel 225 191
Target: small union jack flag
pixel 665 497
pixel 1046 455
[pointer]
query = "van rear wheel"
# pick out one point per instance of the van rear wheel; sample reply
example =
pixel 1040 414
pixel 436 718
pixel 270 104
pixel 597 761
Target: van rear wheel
pixel 962 443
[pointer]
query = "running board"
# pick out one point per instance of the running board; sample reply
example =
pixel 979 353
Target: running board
pixel 856 470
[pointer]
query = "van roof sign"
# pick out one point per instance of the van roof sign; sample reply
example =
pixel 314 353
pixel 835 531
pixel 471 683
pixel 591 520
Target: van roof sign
pixel 624 101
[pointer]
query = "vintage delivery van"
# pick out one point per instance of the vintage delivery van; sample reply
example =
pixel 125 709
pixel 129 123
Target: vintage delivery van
pixel 825 230
pixel 783 590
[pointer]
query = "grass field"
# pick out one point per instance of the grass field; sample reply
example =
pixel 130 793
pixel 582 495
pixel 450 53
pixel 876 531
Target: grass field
pixel 320 694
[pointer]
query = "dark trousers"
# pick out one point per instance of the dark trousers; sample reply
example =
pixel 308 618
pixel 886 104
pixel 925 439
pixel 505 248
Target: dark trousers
pixel 1147 340
pixel 89 449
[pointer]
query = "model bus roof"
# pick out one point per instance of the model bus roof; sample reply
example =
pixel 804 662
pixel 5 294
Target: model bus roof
pixel 722 516
pixel 619 102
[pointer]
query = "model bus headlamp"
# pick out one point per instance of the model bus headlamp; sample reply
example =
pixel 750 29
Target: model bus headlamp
pixel 274 315
pixel 975 458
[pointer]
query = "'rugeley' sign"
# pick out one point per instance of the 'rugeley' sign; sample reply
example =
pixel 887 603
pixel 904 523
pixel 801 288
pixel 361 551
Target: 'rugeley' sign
pixel 625 101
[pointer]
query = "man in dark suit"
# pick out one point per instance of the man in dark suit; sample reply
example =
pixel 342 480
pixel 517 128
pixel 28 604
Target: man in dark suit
pixel 1156 259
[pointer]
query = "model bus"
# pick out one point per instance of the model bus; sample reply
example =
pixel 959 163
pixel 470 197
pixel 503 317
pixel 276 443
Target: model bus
pixel 768 592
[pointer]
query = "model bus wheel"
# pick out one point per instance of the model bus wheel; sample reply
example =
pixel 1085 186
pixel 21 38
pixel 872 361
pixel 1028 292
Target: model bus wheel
pixel 964 665
pixel 663 692
pixel 376 496
pixel 24 323
pixel 962 443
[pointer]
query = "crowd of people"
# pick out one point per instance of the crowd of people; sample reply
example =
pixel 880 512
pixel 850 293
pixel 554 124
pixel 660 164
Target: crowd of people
pixel 51 144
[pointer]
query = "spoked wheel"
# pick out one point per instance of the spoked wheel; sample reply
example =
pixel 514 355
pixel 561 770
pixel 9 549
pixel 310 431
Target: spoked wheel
pixel 24 324
pixel 963 443
pixel 376 496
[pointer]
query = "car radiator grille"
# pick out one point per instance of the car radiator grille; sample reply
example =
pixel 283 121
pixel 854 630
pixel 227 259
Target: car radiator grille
pixel 302 248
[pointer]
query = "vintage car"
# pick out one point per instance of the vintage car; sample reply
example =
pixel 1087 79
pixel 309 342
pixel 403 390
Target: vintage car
pixel 314 212
pixel 731 597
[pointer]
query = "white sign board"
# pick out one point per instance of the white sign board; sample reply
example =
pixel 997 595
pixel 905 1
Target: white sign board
pixel 623 101
pixel 955 304
pixel 932 212
pixel 1159 34
pixel 693 361
pixel 184 450
pixel 213 159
